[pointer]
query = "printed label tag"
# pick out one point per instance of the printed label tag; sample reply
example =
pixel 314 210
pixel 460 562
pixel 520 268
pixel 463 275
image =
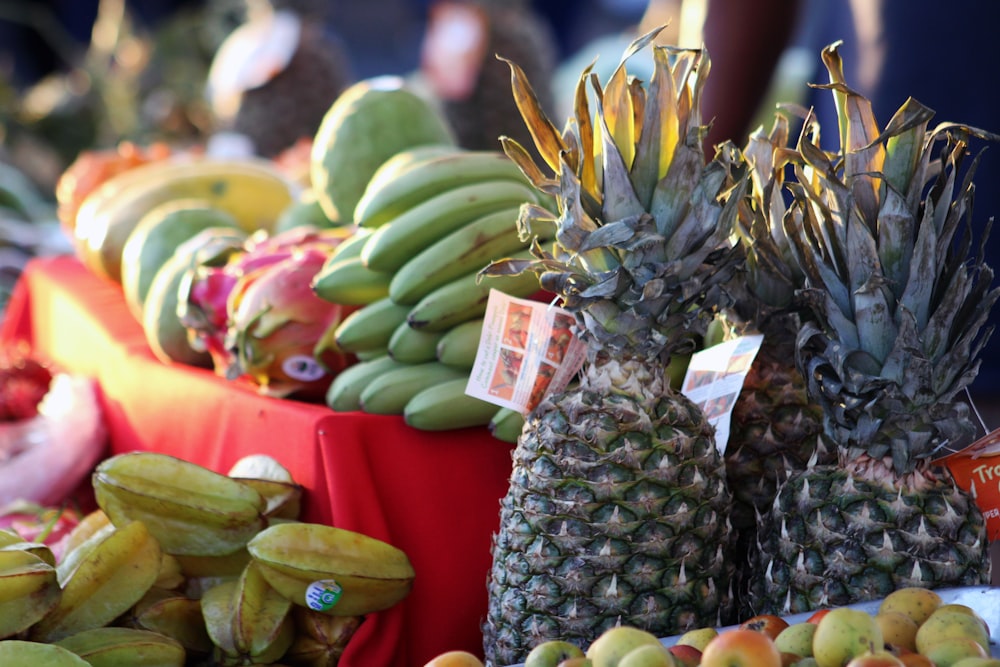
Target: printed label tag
pixel 527 350
pixel 303 368
pixel 977 470
pixel 715 377
pixel 322 595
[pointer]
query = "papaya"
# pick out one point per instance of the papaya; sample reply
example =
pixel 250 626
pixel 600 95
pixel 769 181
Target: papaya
pixel 368 123
pixel 253 191
pixel 157 236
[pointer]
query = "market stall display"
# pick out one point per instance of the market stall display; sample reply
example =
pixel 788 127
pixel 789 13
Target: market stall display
pixel 734 378
pixel 368 473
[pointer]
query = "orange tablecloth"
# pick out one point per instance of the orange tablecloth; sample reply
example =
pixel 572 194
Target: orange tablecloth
pixel 434 495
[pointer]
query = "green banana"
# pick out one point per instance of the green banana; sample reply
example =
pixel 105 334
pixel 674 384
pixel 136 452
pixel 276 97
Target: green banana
pixel 368 355
pixel 332 570
pixel 392 169
pixel 389 393
pixel 351 246
pixel 395 242
pixel 459 345
pixel 247 619
pixel 370 327
pixel 507 424
pixel 350 282
pixel 446 406
pixel 391 194
pixel 109 646
pixel 468 248
pixel 344 394
pixel 112 577
pixel 413 346
pixel 29 590
pixel 465 298
pixel 21 652
pixel 190 509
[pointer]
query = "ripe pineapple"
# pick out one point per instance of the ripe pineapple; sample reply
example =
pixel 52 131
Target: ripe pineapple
pixel 617 510
pixel 900 308
pixel 776 428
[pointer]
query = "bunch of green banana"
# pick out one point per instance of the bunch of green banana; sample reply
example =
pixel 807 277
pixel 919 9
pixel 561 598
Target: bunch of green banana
pixel 428 224
pixel 293 594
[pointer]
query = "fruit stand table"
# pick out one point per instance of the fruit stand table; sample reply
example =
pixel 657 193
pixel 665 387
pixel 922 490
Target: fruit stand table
pixel 434 495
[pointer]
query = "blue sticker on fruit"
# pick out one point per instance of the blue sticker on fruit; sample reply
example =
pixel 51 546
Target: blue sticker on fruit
pixel 323 595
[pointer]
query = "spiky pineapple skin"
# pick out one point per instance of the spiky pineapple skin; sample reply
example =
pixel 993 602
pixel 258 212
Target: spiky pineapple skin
pixel 617 512
pixel 775 431
pixel 836 538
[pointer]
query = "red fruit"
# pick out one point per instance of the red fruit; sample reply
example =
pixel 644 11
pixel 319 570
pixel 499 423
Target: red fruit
pixel 24 381
pixel 769 624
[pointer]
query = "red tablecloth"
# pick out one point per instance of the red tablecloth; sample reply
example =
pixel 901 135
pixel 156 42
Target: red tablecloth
pixel 434 495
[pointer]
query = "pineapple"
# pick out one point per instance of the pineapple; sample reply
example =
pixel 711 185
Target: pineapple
pixel 617 510
pixel 899 311
pixel 776 428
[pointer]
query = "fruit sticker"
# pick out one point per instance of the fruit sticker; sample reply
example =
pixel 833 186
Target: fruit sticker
pixel 323 595
pixel 526 350
pixel 714 379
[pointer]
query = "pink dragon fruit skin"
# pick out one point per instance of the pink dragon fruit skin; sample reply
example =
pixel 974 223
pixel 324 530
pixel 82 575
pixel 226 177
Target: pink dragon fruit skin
pixel 275 323
pixel 204 302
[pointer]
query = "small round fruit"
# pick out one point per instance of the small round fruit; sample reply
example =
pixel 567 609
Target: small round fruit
pixel 948 651
pixel 817 615
pixel 455 659
pixel 741 647
pixel 977 661
pixel 687 656
pixel 648 656
pixel 551 653
pixel 914 659
pixel 844 633
pixel 946 624
pixel 964 609
pixel 898 629
pixel 917 603
pixel 614 643
pixel 698 638
pixel 770 624
pixel 797 639
pixel 875 659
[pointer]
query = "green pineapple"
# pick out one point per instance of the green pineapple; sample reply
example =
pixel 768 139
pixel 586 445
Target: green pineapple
pixel 775 427
pixel 900 306
pixel 617 510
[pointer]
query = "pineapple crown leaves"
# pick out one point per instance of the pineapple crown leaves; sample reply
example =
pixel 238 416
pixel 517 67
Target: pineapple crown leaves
pixel 642 249
pixel 901 305
pixel 766 292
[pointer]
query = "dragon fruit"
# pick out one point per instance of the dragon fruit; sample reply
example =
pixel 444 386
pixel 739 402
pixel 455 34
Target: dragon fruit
pixel 276 323
pixel 206 290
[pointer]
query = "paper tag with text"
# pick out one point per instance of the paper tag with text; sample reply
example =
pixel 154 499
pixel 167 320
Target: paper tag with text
pixel 977 470
pixel 714 379
pixel 526 351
